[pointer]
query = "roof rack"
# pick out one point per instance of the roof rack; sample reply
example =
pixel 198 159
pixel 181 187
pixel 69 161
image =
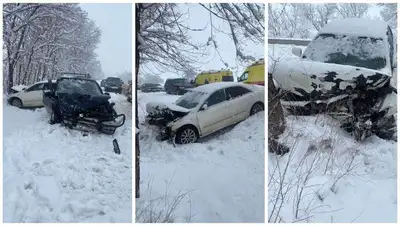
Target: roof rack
pixel 74 75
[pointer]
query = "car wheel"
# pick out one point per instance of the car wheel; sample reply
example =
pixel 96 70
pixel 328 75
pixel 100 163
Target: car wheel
pixel 16 103
pixel 186 135
pixel 257 107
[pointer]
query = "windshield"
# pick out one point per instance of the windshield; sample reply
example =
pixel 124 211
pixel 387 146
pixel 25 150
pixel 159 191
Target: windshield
pixel 179 81
pixel 79 86
pixel 346 50
pixel 190 99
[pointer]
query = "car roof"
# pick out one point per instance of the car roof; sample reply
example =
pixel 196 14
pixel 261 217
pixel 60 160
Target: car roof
pixel 356 27
pixel 211 87
pixel 75 77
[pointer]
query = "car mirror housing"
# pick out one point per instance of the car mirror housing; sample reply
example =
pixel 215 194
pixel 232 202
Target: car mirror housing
pixel 297 51
pixel 204 107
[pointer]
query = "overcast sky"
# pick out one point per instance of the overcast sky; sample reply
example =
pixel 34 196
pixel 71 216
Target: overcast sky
pixel 115 22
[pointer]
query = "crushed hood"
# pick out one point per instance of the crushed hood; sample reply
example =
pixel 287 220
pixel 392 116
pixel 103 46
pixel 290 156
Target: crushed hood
pixel 317 80
pixel 154 107
pixel 77 103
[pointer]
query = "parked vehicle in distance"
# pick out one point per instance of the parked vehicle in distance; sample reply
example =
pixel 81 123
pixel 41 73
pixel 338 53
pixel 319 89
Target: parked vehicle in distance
pixel 177 86
pixel 113 84
pixel 205 110
pixel 151 87
pixel 32 96
pixel 207 77
pixel 103 82
pixel 80 103
pixel 346 72
pixel 254 74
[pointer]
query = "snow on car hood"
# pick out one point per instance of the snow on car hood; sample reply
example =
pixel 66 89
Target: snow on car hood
pixel 152 107
pixel 19 88
pixel 304 77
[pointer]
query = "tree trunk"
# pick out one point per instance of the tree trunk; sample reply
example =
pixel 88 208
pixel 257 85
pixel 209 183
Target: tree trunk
pixel 276 119
pixel 137 55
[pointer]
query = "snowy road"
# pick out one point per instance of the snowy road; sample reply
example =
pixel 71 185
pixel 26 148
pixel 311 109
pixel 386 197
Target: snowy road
pixel 219 180
pixel 52 174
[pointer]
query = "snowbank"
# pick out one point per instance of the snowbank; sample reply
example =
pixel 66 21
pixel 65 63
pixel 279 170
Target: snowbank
pixel 218 180
pixel 329 177
pixel 53 174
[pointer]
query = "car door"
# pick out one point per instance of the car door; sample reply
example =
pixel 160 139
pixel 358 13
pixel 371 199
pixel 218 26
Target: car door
pixel 239 102
pixel 216 116
pixel 33 95
pixel 45 88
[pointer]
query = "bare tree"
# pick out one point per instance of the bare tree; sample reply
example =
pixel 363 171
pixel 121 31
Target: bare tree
pixel 352 10
pixel 41 40
pixel 245 20
pixel 389 13
pixel 319 14
pixel 163 28
pixel 286 20
pixel 139 7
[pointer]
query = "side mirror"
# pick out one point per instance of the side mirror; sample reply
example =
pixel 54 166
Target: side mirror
pixel 23 88
pixel 108 94
pixel 297 51
pixel 237 78
pixel 204 107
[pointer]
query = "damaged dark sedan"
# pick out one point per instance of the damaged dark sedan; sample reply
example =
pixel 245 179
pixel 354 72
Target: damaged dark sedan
pixel 79 103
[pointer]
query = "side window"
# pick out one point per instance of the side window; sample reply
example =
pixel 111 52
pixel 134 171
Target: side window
pixel 35 87
pixel 391 45
pixel 235 92
pixel 46 86
pixel 244 76
pixel 216 98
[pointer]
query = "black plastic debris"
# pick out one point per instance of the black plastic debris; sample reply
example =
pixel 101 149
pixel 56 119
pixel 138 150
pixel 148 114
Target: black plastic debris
pixel 116 147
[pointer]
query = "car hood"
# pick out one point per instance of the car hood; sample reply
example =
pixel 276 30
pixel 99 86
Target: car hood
pixel 77 103
pixel 154 107
pixel 304 77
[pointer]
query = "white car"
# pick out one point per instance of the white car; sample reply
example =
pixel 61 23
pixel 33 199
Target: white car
pixel 31 96
pixel 205 110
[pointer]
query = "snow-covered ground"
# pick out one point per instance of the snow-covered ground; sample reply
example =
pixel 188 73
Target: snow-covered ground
pixel 220 179
pixel 329 177
pixel 53 174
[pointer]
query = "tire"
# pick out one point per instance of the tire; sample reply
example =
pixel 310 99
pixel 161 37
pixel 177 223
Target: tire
pixel 257 107
pixel 186 135
pixel 16 102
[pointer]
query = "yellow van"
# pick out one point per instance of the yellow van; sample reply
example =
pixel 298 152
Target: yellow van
pixel 214 76
pixel 254 74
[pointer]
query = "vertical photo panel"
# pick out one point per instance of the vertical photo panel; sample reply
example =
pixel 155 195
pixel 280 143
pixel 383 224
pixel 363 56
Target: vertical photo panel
pixel 332 113
pixel 67 113
pixel 200 113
